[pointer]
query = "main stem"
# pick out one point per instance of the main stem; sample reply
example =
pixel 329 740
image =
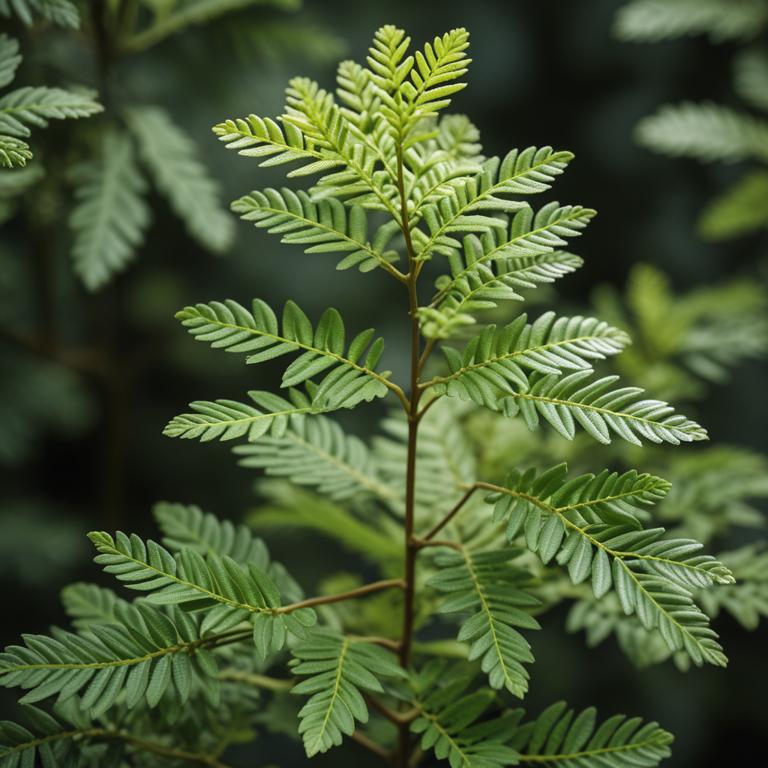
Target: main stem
pixel 410 482
pixel 411 546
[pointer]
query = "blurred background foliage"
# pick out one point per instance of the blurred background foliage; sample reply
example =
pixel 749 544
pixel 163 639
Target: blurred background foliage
pixel 94 364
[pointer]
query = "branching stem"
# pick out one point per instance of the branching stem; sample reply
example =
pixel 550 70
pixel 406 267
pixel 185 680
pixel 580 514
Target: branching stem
pixel 280 685
pixel 385 642
pixel 369 744
pixel 447 519
pixel 154 747
pixel 398 718
pixel 83 360
pixel 367 589
pixel 418 359
pixel 423 544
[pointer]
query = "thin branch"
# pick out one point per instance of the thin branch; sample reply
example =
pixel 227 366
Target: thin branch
pixel 80 360
pixel 154 747
pixel 385 642
pixel 455 511
pixel 423 544
pixel 367 589
pixel 398 718
pixel 428 347
pixel 167 24
pixel 423 412
pixel 371 746
pixel 258 681
pixel 400 394
pixel 225 638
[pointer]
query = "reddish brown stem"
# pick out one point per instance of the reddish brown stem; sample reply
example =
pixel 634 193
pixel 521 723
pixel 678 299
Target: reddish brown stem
pixel 367 589
pixel 447 519
pixel 369 744
pixel 417 360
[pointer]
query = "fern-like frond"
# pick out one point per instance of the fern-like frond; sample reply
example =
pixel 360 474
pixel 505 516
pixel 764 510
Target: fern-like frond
pixel 599 409
pixel 430 176
pixel 654 20
pixel 491 267
pixel 459 138
pixel 485 585
pixel 519 173
pixel 452 723
pixel 318 453
pixel 607 499
pixel 747 599
pixel 387 59
pixel 259 137
pixel 713 490
pixel 415 88
pixel 230 420
pixel 704 131
pixel 741 209
pixel 561 738
pixel 350 373
pixel 63 13
pixel 111 214
pixel 599 619
pixel 88 604
pixel 498 359
pixel 142 654
pixel 345 385
pixel 35 106
pixel 357 94
pixel 186 525
pixel 10 58
pixel 315 113
pixel 40 739
pixel 14 152
pixel 750 77
pixel 489 283
pixel 591 529
pixel 234 593
pixel 337 670
pixel 434 167
pixel 171 157
pixel 326 226
pixel 432 83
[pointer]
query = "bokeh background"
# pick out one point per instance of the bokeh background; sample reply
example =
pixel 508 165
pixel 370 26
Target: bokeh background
pixel 78 453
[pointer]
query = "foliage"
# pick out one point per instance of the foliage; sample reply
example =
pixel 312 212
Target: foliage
pixel 398 187
pixel 96 193
pixel 450 723
pixel 484 582
pixel 31 106
pixel 704 130
pixel 685 342
pixel 136 142
pixel 335 671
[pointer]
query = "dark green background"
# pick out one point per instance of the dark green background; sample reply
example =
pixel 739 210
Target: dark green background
pixel 544 72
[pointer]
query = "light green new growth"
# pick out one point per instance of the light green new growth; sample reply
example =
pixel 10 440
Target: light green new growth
pixel 394 184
